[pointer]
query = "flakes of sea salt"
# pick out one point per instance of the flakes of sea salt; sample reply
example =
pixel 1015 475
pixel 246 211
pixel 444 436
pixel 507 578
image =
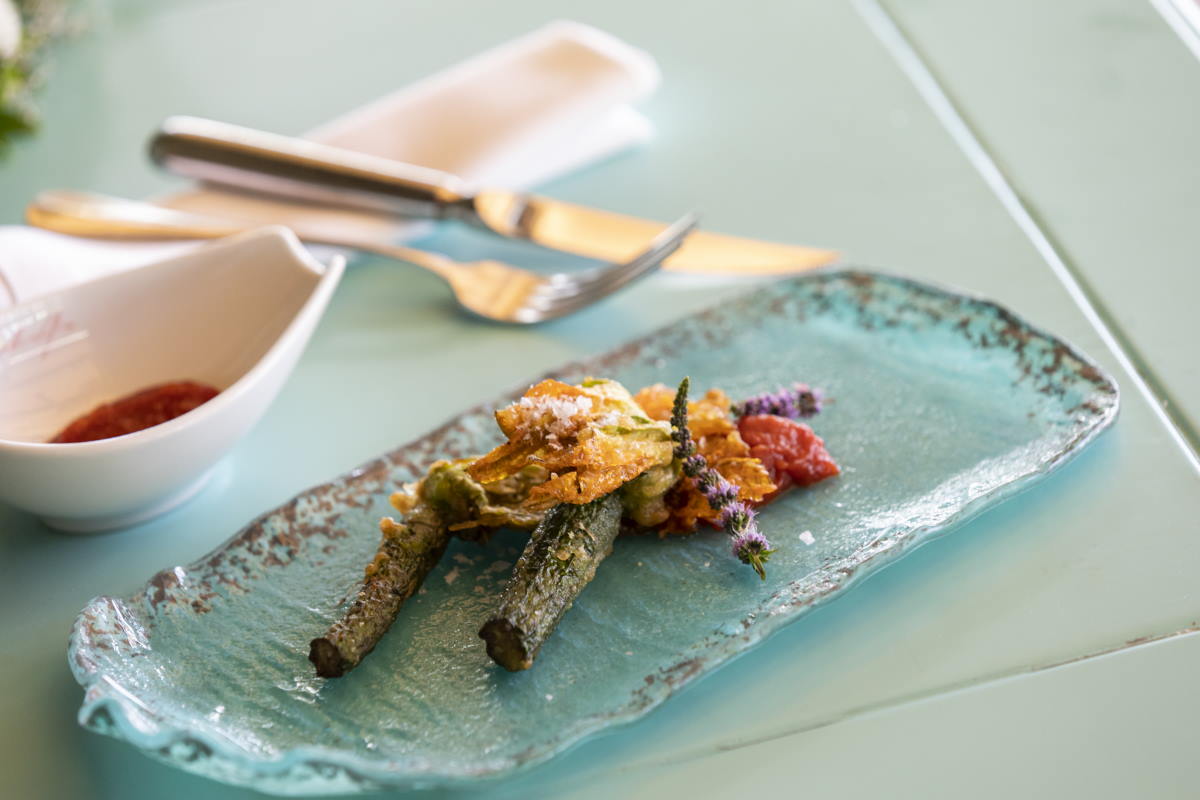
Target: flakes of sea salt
pixel 562 410
pixel 807 537
pixel 611 418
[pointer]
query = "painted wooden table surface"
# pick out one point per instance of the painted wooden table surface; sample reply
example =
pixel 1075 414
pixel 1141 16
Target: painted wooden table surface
pixel 1042 154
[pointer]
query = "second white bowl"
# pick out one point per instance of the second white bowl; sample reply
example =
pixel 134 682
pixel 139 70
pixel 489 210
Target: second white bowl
pixel 235 314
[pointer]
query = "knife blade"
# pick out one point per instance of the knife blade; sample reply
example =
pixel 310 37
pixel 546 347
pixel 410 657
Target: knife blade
pixel 297 169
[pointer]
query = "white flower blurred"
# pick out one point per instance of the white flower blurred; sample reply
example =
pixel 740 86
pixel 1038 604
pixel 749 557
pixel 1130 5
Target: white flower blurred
pixel 10 29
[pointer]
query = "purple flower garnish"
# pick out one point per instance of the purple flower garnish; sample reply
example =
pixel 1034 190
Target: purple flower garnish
pixel 738 516
pixel 693 465
pixel 749 545
pixel 752 548
pixel 799 402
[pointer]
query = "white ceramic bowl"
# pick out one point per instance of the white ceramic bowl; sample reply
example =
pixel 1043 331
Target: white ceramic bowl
pixel 235 314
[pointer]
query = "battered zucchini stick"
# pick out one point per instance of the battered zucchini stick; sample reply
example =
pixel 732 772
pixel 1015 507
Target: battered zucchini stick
pixel 558 562
pixel 409 550
pixel 445 503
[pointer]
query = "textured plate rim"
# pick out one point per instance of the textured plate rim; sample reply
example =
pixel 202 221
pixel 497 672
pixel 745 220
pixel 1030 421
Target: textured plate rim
pixel 106 699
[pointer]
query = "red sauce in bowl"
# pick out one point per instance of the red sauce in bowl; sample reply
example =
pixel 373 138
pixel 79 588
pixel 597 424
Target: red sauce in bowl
pixel 143 409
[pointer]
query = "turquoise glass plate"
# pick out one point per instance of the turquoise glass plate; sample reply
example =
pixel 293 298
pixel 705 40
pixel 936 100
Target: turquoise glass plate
pixel 941 405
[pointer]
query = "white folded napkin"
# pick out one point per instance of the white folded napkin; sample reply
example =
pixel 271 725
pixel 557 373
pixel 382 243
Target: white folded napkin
pixel 519 114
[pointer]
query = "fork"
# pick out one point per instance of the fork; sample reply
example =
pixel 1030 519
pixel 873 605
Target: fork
pixel 491 289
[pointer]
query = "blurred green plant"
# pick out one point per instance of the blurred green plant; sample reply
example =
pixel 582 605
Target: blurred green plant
pixel 26 27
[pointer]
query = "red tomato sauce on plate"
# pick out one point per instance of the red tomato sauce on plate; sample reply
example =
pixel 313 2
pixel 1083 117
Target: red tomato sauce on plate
pixel 143 409
pixel 790 450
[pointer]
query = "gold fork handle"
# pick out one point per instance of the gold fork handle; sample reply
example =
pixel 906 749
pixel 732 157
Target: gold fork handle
pixel 102 217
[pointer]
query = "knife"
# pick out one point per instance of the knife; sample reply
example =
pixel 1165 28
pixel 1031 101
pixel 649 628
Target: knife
pixel 298 169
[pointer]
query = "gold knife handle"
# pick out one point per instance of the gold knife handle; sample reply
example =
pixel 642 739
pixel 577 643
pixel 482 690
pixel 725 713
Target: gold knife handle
pixel 297 169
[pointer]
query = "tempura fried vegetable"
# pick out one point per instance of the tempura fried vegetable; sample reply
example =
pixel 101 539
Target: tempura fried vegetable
pixel 715 433
pixel 592 439
pixel 475 510
pixel 447 501
pixel 643 497
pixel 558 562
pixel 408 552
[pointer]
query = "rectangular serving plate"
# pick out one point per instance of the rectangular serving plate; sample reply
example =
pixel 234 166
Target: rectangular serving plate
pixel 941 405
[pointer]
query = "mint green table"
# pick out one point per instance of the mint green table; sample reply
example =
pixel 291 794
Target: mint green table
pixel 1039 153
